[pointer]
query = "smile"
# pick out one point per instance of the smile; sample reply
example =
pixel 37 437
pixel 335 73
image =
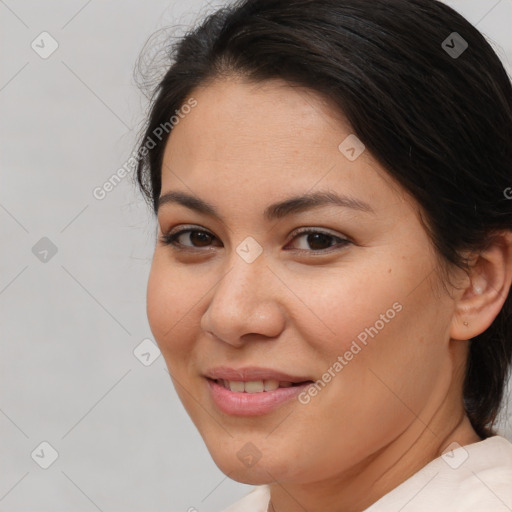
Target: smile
pixel 252 398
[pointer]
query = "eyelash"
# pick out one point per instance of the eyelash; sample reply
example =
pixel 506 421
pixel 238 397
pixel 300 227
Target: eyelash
pixel 171 238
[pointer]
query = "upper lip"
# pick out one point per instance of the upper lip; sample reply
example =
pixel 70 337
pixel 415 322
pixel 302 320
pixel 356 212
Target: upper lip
pixel 251 373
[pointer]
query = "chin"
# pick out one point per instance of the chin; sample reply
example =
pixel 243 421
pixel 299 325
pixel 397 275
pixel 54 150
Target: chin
pixel 248 467
pixel 256 475
pixel 251 477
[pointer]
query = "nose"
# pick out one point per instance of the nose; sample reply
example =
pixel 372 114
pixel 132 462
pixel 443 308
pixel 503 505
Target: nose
pixel 245 304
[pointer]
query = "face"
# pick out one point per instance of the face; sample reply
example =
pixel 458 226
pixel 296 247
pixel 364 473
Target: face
pixel 350 311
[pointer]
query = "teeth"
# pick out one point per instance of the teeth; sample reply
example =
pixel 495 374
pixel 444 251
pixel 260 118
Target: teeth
pixel 270 385
pixel 254 386
pixel 235 386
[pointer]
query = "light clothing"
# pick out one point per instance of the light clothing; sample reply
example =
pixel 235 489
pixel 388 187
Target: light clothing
pixel 473 478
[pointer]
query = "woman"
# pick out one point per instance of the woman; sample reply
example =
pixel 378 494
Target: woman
pixel 365 372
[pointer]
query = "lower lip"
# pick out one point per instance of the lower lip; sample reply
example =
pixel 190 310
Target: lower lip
pixel 252 404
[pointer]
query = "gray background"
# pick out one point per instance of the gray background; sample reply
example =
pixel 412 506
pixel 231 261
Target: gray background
pixel 70 324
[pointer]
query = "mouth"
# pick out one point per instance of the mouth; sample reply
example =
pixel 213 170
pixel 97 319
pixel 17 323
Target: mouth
pixel 253 397
pixel 256 386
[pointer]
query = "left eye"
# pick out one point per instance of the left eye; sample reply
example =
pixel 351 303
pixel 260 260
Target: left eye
pixel 317 240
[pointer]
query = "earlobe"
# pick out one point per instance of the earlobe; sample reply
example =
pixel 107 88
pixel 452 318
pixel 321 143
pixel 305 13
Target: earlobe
pixel 487 288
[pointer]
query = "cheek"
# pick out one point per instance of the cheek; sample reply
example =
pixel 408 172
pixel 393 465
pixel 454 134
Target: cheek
pixel 170 301
pixel 385 298
pixel 380 343
pixel 158 301
pixel 347 305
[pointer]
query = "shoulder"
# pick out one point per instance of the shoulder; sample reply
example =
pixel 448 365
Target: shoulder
pixel 256 501
pixel 468 478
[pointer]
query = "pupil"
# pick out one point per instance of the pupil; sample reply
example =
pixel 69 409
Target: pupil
pixel 318 237
pixel 199 235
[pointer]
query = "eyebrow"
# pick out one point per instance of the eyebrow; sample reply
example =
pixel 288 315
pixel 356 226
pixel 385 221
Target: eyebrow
pixel 290 206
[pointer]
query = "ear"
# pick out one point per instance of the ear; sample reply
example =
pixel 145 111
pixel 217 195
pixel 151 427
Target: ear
pixel 485 289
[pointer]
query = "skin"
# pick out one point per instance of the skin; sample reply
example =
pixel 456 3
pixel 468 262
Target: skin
pixel 398 403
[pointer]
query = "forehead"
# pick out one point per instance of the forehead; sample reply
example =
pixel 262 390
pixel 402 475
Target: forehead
pixel 239 116
pixel 264 138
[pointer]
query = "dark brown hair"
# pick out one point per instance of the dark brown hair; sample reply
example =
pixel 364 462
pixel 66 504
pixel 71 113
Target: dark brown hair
pixel 436 114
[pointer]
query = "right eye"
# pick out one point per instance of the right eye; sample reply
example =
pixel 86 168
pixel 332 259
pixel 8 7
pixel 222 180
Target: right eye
pixel 195 236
